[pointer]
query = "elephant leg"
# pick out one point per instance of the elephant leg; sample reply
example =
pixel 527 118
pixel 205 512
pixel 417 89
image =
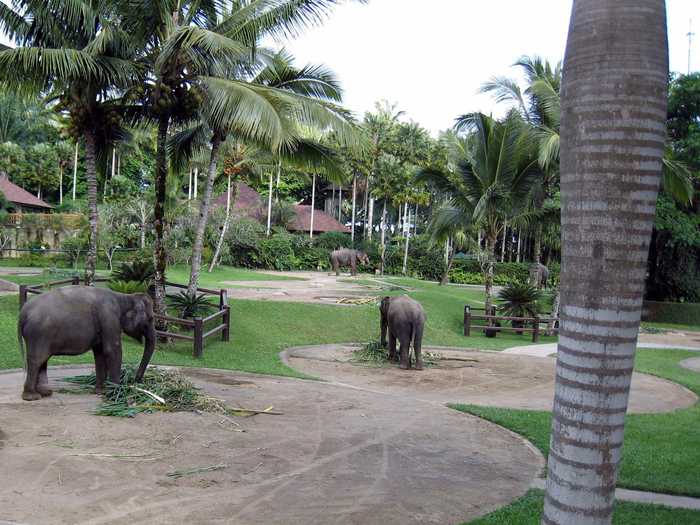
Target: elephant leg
pixel 33 365
pixel 417 346
pixel 353 267
pixel 404 349
pixel 100 370
pixel 113 356
pixel 336 268
pixel 42 384
pixel 392 347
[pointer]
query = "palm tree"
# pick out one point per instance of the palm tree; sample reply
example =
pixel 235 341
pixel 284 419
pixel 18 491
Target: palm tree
pixel 78 51
pixel 190 43
pixel 613 114
pixel 490 174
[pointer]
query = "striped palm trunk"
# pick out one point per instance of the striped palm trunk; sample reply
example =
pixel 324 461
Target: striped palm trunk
pixel 612 134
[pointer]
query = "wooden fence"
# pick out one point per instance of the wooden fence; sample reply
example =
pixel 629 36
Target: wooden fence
pixel 220 321
pixel 535 322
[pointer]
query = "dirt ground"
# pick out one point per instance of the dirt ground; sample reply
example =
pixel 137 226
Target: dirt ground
pixel 692 363
pixel 480 378
pixel 317 288
pixel 336 455
pixel 673 337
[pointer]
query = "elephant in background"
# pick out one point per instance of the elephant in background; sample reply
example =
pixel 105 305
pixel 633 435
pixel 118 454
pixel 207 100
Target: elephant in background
pixel 347 257
pixel 75 319
pixel 404 319
pixel 539 275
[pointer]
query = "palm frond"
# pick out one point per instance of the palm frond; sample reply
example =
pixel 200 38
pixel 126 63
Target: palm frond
pixel 677 181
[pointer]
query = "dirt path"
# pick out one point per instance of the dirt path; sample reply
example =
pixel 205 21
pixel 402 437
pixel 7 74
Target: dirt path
pixel 337 455
pixel 317 287
pixel 692 363
pixel 480 378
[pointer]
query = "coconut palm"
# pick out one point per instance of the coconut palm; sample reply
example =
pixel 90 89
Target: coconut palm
pixel 490 173
pixel 197 48
pixel 77 51
pixel 617 53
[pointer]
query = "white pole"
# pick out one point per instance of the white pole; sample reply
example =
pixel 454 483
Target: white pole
pixel 75 167
pixel 340 201
pixel 354 196
pixel 189 186
pixel 269 208
pixel 370 220
pixel 313 203
pixel 196 176
pixel 60 184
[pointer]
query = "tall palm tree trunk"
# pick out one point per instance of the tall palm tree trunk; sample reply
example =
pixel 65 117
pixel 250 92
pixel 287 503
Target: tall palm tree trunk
pixel 537 244
pixel 370 220
pixel 189 185
pixel 313 205
pixel 503 245
pixel 269 208
pixel 612 141
pixel 517 256
pixel 450 255
pixel 198 244
pixel 60 183
pixel 340 203
pixel 407 228
pixel 382 228
pixel 195 175
pixel 75 167
pixel 365 207
pixel 488 275
pixel 354 197
pixel 159 255
pixel 227 220
pixel 91 179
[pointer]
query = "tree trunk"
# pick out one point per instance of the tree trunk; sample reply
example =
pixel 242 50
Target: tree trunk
pixel 371 218
pixel 354 197
pixel 537 246
pixel 448 264
pixel 313 204
pixel 189 185
pixel 488 275
pixel 517 257
pixel 75 167
pixel 160 181
pixel 269 208
pixel 613 100
pixel 224 228
pixel 382 228
pixel 503 245
pixel 198 244
pixel 407 227
pixel 91 179
pixel 60 184
pixel 555 313
pixel 365 207
pixel 196 182
pixel 340 203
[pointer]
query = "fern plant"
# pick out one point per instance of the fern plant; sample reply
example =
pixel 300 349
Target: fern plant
pixel 127 286
pixel 141 271
pixel 520 300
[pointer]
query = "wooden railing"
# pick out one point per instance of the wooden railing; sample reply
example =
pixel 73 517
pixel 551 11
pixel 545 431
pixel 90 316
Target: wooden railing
pixel 197 325
pixel 493 323
pixel 45 220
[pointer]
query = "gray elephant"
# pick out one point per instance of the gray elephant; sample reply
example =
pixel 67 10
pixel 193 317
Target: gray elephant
pixel 539 275
pixel 75 319
pixel 348 257
pixel 404 319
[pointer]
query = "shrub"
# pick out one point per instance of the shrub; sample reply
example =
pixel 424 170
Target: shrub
pixel 333 240
pixel 190 305
pixel 520 300
pixel 243 241
pixel 127 286
pixel 678 313
pixel 138 270
pixel 277 252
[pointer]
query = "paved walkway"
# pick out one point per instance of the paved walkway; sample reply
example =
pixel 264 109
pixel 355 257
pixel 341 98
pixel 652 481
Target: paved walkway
pixel 547 349
pixel 638 496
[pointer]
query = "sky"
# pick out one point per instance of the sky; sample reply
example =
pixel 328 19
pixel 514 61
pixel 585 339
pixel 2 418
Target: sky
pixel 431 56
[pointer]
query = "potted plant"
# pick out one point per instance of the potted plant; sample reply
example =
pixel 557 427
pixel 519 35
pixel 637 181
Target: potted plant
pixel 520 300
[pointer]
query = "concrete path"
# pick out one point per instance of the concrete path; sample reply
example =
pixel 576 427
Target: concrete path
pixel 692 363
pixel 547 349
pixel 638 496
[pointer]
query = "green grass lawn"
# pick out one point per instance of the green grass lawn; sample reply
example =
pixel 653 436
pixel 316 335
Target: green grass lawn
pixel 673 326
pixel 181 274
pixel 528 511
pixel 261 329
pixel 661 451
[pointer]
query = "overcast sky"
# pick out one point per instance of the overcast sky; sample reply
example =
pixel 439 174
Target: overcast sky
pixel 430 57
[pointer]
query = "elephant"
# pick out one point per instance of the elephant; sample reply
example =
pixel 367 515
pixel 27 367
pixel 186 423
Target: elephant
pixel 404 319
pixel 539 275
pixel 348 257
pixel 74 319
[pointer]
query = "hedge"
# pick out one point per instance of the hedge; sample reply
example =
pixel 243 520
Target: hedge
pixel 677 313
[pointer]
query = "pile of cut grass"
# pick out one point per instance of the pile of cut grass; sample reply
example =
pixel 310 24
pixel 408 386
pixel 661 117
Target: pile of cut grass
pixel 374 354
pixel 161 390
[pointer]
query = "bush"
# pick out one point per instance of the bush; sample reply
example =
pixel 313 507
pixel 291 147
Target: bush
pixel 243 241
pixel 330 241
pixel 677 313
pixel 127 286
pixel 277 252
pixel 138 270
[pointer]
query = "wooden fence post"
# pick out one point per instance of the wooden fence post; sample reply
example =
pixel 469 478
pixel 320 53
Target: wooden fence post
pixel 225 333
pixel 467 320
pixel 198 339
pixel 536 330
pixel 22 295
pixel 223 299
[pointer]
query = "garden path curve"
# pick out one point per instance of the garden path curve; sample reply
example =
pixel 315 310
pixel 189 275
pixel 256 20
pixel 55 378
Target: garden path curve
pixel 338 454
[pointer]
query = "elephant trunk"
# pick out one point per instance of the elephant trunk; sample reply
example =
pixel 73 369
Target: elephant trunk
pixel 148 348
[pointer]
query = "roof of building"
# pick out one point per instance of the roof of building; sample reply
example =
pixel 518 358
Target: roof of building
pixel 17 195
pixel 322 221
pixel 248 201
